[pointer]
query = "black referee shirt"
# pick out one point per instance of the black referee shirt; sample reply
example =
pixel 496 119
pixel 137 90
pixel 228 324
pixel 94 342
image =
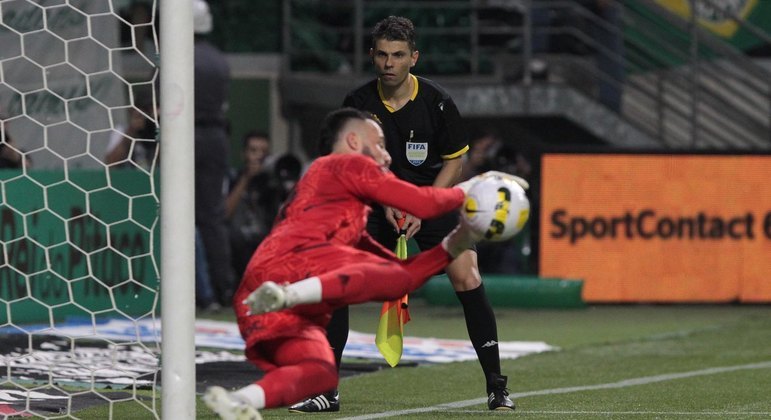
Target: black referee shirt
pixel 420 135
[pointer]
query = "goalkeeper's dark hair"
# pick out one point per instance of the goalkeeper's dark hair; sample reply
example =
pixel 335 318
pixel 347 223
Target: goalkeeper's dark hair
pixel 333 124
pixel 395 28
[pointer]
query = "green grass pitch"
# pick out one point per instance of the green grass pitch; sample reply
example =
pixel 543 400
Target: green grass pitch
pixel 614 362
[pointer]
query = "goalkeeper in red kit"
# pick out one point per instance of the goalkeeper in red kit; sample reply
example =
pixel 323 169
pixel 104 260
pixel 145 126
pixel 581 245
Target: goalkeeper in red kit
pixel 318 257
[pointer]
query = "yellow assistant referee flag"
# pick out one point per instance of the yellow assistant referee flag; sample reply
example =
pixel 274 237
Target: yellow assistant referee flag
pixel 394 314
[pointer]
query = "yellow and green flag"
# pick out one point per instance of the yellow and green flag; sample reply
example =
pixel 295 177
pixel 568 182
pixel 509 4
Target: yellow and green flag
pixel 394 314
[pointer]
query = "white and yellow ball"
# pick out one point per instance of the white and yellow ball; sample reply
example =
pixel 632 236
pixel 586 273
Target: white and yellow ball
pixel 496 207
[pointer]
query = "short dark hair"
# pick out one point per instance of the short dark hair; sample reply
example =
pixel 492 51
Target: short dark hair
pixel 395 28
pixel 334 122
pixel 251 134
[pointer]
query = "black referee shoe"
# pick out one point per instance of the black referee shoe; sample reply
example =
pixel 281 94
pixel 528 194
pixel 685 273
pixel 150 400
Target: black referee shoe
pixel 325 403
pixel 498 394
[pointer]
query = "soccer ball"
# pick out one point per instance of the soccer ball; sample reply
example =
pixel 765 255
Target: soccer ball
pixel 496 207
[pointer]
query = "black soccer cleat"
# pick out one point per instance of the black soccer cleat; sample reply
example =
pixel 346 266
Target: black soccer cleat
pixel 325 403
pixel 498 394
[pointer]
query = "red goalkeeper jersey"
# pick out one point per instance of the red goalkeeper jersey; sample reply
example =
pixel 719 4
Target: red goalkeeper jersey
pixel 331 202
pixel 322 228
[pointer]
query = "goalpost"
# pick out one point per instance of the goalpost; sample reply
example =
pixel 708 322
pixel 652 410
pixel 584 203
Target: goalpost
pixel 177 217
pixel 97 278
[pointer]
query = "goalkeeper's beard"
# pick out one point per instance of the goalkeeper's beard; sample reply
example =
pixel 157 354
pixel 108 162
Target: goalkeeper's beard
pixel 367 151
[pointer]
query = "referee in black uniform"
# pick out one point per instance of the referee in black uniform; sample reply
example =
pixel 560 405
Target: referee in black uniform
pixel 426 138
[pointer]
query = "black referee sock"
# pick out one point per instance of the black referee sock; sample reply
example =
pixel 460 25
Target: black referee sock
pixel 482 329
pixel 337 333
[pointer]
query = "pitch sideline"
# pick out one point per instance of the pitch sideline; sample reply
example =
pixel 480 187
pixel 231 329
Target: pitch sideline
pixel 611 385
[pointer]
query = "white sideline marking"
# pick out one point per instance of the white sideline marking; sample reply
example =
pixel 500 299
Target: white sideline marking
pixel 612 385
pixel 659 413
pixel 632 413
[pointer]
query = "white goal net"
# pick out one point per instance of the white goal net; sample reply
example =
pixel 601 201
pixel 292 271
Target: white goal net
pixel 79 204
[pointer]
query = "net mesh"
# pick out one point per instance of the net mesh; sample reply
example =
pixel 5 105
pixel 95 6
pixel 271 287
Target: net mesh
pixel 79 273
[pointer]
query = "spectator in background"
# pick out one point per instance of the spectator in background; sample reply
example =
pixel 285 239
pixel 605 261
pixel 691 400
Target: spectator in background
pixel 134 145
pixel 286 172
pixel 480 155
pixel 212 79
pixel 251 202
pixel 10 156
pixel 204 294
pixel 139 13
pixel 138 139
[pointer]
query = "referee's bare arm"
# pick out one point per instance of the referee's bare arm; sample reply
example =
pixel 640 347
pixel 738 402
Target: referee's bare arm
pixel 450 173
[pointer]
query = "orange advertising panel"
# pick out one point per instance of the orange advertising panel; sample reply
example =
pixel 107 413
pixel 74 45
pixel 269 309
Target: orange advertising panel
pixel 658 228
